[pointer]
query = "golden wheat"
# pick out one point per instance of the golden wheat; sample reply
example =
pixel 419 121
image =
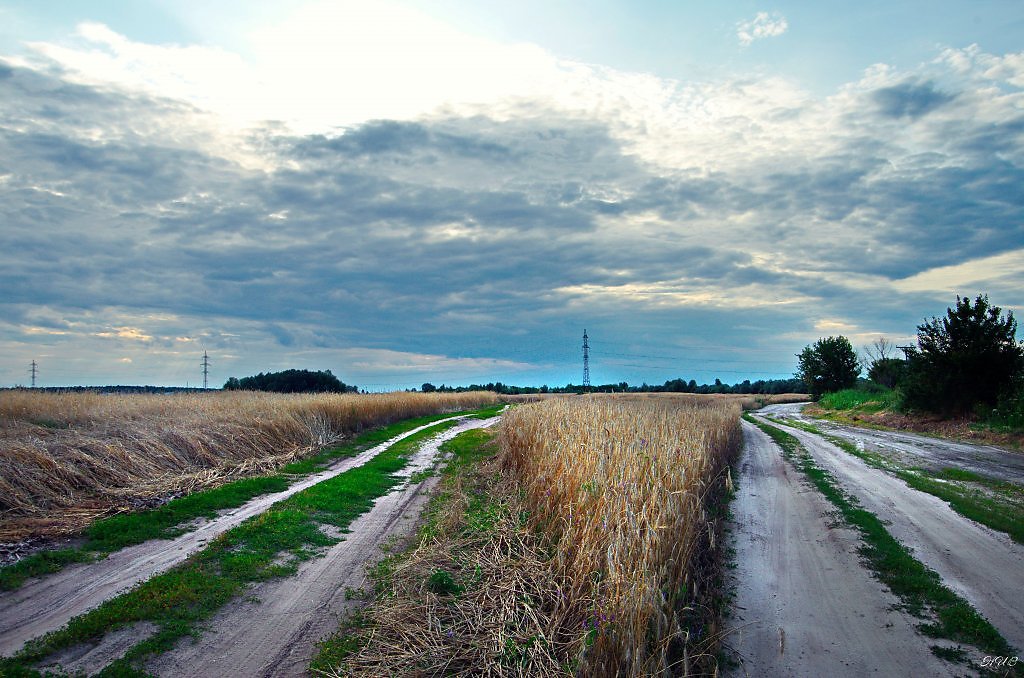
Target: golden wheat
pixel 619 487
pixel 66 458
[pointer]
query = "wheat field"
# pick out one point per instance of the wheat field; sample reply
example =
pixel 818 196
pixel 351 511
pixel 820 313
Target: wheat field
pixel 620 487
pixel 68 458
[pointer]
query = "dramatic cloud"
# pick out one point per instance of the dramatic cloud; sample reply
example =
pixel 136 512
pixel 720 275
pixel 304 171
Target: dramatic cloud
pixel 764 25
pixel 724 223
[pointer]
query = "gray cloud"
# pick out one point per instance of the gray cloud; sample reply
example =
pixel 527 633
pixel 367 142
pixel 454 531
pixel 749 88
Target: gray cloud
pixel 910 100
pixel 459 236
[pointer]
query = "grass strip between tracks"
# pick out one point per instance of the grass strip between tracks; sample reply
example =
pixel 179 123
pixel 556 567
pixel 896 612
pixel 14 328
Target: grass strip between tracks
pixel 1000 507
pixel 266 546
pixel 472 553
pixel 920 588
pixel 170 520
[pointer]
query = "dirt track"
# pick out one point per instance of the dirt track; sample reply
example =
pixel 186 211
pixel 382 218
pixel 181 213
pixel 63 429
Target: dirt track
pixel 984 566
pixel 47 604
pixel 276 634
pixel 804 605
pixel 917 450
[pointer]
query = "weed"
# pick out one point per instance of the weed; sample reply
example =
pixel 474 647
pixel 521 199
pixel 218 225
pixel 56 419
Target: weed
pixel 442 583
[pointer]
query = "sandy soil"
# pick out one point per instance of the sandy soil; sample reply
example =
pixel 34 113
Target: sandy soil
pixel 918 450
pixel 804 605
pixel 275 634
pixel 46 604
pixel 984 566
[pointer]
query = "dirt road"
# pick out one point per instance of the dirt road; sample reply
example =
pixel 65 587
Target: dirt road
pixel 276 634
pixel 984 566
pixel 916 450
pixel 47 604
pixel 804 605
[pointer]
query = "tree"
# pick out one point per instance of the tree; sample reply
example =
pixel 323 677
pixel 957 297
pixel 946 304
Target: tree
pixel 883 367
pixel 829 365
pixel 969 358
pixel 887 372
pixel 428 388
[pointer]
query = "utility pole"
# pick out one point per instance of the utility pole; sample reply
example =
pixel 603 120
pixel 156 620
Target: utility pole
pixel 586 362
pixel 33 372
pixel 206 368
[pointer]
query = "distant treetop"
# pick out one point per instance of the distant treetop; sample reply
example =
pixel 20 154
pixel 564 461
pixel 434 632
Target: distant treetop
pixel 290 381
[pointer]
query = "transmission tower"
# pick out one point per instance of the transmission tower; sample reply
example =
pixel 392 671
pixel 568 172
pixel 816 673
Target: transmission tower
pixel 206 368
pixel 33 372
pixel 586 361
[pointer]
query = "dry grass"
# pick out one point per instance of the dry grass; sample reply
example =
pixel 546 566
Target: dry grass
pixel 619 487
pixel 492 627
pixel 67 458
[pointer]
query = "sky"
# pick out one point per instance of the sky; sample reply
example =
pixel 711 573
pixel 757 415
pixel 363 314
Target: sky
pixel 452 191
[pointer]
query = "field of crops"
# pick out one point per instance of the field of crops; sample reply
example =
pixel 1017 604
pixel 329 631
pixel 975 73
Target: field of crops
pixel 585 554
pixel 620 489
pixel 70 457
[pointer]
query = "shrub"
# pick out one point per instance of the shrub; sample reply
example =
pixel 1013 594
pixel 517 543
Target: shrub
pixel 969 358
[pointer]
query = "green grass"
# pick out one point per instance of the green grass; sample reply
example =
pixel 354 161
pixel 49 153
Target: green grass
pixel 170 520
pixel 1000 508
pixel 263 547
pixel 40 564
pixel 860 400
pixel 919 588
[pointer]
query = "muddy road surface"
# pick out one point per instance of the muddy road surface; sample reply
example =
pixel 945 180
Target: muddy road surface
pixel 804 604
pixel 46 604
pixel 911 449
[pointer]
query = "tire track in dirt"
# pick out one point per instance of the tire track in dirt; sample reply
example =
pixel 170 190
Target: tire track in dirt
pixel 46 604
pixel 804 604
pixel 917 450
pixel 984 566
pixel 274 631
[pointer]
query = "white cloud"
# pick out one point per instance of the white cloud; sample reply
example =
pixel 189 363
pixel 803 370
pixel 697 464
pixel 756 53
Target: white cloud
pixel 764 25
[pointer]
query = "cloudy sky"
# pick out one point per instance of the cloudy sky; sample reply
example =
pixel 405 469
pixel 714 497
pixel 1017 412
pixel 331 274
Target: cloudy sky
pixel 451 192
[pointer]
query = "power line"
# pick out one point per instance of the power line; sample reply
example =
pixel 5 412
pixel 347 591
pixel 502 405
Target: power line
pixel 33 372
pixel 670 357
pixel 710 347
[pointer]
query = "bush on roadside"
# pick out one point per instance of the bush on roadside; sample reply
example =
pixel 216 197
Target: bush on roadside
pixel 966 360
pixel 863 400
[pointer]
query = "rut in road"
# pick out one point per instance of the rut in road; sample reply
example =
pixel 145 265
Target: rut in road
pixel 804 604
pixel 275 631
pixel 917 450
pixel 984 566
pixel 46 604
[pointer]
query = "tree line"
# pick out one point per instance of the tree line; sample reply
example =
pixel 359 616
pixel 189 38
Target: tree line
pixel 760 386
pixel 967 361
pixel 291 381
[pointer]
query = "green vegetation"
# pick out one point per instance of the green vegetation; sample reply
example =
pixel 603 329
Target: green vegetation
pixel 969 358
pixel 291 381
pixel 920 588
pixel 829 365
pixel 169 521
pixel 993 503
pixel 40 564
pixel 266 546
pixel 860 400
